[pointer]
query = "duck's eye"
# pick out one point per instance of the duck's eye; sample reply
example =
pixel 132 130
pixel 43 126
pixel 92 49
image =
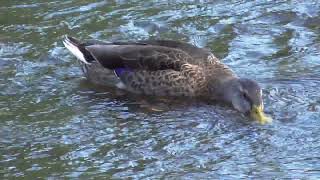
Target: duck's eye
pixel 246 97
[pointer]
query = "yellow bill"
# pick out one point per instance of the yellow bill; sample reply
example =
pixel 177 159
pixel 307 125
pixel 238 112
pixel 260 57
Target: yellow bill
pixel 258 114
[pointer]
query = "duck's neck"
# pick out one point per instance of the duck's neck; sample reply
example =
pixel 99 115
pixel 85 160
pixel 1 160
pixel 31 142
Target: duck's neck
pixel 220 80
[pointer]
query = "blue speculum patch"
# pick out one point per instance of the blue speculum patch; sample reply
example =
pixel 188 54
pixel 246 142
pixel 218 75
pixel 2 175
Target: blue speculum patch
pixel 120 71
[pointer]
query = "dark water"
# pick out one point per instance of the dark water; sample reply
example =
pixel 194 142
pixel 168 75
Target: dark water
pixel 53 123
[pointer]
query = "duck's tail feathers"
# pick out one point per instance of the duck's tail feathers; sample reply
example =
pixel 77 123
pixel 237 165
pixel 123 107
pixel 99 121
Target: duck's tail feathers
pixel 78 49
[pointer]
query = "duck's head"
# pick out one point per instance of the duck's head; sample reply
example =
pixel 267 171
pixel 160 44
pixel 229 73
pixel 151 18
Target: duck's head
pixel 245 95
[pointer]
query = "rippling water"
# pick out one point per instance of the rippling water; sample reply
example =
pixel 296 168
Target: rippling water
pixel 53 123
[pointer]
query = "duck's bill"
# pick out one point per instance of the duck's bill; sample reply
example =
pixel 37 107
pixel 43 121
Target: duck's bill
pixel 258 114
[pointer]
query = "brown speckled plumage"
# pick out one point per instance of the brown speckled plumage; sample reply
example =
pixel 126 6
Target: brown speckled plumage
pixel 166 68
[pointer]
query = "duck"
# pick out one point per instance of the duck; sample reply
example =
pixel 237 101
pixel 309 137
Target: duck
pixel 167 68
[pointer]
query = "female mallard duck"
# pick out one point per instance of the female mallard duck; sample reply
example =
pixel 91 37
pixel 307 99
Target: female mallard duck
pixel 167 68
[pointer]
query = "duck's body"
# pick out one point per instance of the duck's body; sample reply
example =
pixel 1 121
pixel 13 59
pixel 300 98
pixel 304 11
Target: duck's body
pixel 158 67
pixel 164 68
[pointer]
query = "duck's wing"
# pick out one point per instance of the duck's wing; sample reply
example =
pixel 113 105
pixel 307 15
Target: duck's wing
pixel 199 55
pixel 147 57
pixel 133 56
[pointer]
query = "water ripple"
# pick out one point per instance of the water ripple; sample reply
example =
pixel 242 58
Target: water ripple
pixel 55 124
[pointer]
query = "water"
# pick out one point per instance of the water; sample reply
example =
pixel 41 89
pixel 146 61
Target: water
pixel 53 123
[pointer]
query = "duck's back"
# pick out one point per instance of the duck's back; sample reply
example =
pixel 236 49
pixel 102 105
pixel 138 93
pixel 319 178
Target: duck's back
pixel 199 55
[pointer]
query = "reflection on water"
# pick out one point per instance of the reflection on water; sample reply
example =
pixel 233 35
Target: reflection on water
pixel 53 123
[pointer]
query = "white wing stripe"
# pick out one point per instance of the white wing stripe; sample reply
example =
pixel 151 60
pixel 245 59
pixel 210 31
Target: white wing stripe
pixel 74 50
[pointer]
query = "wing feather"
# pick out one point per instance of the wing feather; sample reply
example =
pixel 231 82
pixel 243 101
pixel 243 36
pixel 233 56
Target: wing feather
pixel 144 57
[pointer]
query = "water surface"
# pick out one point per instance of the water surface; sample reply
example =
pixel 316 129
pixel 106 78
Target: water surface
pixel 53 123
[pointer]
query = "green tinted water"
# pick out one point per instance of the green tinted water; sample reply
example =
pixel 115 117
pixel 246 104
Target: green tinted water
pixel 53 123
